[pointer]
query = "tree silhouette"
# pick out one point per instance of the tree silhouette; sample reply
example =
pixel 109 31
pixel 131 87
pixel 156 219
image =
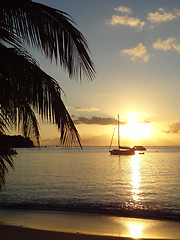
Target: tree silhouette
pixel 24 87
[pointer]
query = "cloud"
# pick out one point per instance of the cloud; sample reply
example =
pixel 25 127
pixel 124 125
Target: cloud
pixel 97 120
pixel 146 121
pixel 153 17
pixel 168 44
pixel 162 16
pixel 161 9
pixel 176 47
pixel 159 17
pixel 164 45
pixel 123 9
pixel 174 128
pixel 83 109
pixel 177 12
pixel 125 20
pixel 137 53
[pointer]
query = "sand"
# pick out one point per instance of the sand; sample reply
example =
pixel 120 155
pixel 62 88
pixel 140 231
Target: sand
pixel 8 232
pixel 37 225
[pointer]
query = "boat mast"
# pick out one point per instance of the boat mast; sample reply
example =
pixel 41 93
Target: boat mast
pixel 118 134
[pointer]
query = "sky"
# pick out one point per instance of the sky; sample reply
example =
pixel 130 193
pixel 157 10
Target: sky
pixel 135 46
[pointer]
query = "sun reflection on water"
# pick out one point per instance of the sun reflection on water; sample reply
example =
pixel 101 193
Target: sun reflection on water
pixel 135 178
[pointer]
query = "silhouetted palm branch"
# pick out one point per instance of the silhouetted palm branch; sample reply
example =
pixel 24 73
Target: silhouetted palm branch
pixel 52 32
pixel 5 159
pixel 24 87
pixel 32 86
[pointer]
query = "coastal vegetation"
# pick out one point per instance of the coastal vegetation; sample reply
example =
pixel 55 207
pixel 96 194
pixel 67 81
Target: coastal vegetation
pixel 18 141
pixel 25 89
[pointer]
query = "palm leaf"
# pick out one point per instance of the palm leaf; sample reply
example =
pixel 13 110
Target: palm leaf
pixel 7 36
pixel 5 159
pixel 23 84
pixel 24 87
pixel 52 32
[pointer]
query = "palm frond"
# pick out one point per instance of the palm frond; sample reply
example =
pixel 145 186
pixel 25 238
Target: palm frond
pixel 7 37
pixel 52 32
pixel 24 84
pixel 4 121
pixel 5 159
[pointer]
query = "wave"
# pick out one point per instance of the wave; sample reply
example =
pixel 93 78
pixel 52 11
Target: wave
pixel 105 209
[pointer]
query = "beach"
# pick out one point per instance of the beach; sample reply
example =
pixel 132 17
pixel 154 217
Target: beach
pixel 36 224
pixel 21 233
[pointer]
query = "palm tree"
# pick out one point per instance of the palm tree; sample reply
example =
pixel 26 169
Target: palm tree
pixel 25 89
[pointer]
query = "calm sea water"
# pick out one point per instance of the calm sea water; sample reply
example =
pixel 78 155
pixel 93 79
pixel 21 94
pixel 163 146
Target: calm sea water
pixel 144 185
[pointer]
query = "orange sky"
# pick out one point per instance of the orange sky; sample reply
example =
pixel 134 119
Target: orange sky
pixel 135 46
pixel 136 132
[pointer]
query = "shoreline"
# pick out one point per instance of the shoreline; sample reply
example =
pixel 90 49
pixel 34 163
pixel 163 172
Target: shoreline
pixel 69 225
pixel 135 214
pixel 9 232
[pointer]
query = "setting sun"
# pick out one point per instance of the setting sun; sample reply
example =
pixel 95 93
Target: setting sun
pixel 135 128
pixel 90 120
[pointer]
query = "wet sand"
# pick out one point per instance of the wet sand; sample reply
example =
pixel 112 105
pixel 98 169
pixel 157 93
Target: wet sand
pixel 8 232
pixel 37 225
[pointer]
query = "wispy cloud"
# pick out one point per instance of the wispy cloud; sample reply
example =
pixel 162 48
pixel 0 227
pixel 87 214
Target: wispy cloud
pixel 125 19
pixel 177 12
pixel 137 53
pixel 95 120
pixel 174 128
pixel 168 44
pixel 146 121
pixel 176 47
pixel 162 16
pixel 103 121
pixel 161 9
pixel 84 109
pixel 157 17
pixel 123 9
pixel 164 45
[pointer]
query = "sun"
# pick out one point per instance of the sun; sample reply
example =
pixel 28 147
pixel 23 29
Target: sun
pixel 136 129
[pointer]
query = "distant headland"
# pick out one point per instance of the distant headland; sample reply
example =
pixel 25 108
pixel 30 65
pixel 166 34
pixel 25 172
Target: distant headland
pixel 18 141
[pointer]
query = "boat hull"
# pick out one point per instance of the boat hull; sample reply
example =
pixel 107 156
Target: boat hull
pixel 139 148
pixel 122 152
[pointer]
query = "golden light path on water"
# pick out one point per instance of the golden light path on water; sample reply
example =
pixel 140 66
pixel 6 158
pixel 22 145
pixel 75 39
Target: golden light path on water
pixel 135 229
pixel 135 177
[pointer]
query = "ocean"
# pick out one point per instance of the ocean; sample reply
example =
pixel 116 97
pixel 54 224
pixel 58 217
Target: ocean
pixel 91 181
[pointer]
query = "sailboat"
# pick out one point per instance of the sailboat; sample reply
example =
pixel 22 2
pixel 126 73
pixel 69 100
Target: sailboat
pixel 121 150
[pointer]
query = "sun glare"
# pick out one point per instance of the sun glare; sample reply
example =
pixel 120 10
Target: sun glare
pixel 135 128
pixel 135 230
